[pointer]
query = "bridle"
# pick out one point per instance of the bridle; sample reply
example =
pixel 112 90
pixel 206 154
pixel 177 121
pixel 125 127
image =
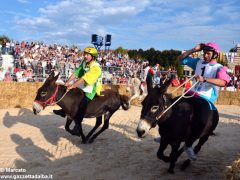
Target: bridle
pixel 163 109
pixel 157 111
pixel 52 100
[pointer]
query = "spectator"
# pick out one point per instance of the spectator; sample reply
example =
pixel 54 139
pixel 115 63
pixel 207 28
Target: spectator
pixel 29 74
pixel 175 82
pixel 7 77
pixel 2 73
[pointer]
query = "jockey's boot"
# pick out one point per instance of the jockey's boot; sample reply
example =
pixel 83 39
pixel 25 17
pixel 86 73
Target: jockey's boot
pixel 59 112
pixel 157 139
pixel 190 153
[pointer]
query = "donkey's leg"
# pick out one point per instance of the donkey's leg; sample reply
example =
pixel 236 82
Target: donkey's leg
pixel 196 149
pixel 107 116
pixel 201 141
pixel 162 147
pixel 77 130
pixel 67 125
pixel 98 123
pixel 173 156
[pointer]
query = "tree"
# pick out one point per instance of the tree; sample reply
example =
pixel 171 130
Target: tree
pixel 121 50
pixel 233 50
pixel 166 58
pixel 4 39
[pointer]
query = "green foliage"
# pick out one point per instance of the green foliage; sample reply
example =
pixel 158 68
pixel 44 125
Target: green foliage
pixel 121 50
pixel 166 58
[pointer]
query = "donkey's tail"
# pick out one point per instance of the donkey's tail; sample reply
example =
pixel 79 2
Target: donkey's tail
pixel 125 102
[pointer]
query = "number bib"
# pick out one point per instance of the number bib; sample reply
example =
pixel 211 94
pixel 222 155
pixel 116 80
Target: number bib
pixel 204 89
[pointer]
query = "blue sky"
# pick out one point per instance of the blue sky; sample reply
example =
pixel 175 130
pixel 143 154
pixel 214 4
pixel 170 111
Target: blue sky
pixel 133 24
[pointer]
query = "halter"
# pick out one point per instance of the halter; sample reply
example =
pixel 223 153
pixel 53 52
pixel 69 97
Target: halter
pixel 52 100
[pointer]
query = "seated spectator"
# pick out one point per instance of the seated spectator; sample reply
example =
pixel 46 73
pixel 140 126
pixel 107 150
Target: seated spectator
pixel 175 82
pixel 188 84
pixel 7 77
pixel 29 74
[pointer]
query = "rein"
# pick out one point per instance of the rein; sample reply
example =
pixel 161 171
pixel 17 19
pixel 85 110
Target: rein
pixel 182 96
pixel 52 100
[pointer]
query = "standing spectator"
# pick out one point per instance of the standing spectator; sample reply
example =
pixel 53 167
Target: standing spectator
pixel 23 45
pixel 49 67
pixel 157 78
pixel 2 73
pixel 7 47
pixel 135 84
pixel 44 65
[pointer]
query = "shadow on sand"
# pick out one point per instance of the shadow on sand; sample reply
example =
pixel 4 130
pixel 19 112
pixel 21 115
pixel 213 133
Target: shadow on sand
pixel 114 155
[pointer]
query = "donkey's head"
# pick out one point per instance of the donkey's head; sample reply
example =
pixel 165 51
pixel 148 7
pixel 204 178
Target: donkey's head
pixel 45 93
pixel 153 104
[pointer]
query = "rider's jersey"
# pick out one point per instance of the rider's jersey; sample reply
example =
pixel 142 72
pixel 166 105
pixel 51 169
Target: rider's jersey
pixel 92 75
pixel 205 90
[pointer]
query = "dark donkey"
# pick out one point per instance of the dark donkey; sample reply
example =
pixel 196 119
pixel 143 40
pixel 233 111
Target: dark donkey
pixel 51 93
pixel 186 121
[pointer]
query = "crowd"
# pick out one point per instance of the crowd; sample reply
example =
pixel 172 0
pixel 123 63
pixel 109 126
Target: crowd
pixel 34 61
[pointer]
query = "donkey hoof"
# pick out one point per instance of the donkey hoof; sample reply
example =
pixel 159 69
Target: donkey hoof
pixel 90 141
pixel 164 158
pixel 185 164
pixel 74 133
pixel 171 171
pixel 84 141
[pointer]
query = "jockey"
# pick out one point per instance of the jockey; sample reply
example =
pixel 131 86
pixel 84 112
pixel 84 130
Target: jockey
pixel 210 76
pixel 89 74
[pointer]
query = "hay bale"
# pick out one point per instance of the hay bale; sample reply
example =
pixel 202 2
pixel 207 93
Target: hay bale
pixel 233 172
pixel 16 94
pixel 223 101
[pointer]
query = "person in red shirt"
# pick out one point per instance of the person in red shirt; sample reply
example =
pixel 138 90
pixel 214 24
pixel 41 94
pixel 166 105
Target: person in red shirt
pixel 175 82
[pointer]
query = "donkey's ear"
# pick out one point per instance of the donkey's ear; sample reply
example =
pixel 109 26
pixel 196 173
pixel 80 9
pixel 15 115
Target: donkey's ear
pixel 51 76
pixel 149 83
pixel 165 86
pixel 56 77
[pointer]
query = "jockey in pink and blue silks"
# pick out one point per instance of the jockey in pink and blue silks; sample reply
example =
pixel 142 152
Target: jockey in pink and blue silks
pixel 210 76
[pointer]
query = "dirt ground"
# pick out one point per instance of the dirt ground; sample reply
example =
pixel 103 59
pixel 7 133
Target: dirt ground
pixel 40 145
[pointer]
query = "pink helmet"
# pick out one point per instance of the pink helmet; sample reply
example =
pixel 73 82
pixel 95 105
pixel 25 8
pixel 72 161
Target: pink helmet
pixel 211 46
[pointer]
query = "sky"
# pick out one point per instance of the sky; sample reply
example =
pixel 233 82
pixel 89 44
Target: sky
pixel 133 24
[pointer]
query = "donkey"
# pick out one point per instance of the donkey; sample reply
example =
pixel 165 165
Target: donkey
pixel 186 121
pixel 106 105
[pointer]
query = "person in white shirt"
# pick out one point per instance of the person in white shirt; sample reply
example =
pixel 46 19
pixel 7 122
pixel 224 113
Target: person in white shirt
pixel 2 73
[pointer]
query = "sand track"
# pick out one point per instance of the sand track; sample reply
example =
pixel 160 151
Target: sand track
pixel 40 145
